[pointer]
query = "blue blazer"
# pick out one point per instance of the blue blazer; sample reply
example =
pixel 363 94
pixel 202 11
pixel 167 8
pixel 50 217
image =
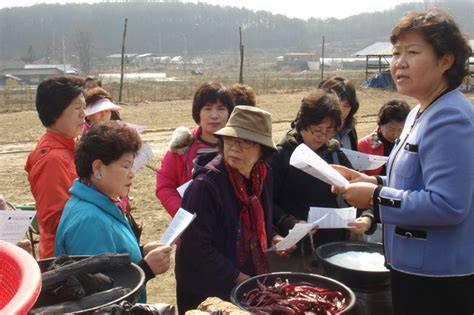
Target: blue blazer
pixel 427 204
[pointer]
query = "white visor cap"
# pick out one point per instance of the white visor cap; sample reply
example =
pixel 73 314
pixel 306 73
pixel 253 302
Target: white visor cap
pixel 101 105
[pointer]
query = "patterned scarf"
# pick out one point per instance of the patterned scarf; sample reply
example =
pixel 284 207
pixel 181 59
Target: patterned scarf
pixel 251 234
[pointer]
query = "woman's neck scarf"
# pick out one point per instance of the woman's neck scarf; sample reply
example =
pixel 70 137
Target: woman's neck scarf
pixel 251 235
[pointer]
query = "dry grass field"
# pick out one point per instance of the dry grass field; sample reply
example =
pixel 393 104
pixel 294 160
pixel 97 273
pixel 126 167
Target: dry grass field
pixel 19 132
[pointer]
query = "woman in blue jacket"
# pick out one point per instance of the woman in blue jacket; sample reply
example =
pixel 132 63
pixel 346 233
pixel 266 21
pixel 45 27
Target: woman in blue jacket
pixel 91 222
pixel 426 201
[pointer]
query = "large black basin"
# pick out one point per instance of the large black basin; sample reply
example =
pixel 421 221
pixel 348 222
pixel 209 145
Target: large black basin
pixel 128 276
pixel 356 279
pixel 295 278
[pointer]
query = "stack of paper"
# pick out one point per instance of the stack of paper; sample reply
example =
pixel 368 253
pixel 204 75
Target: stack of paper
pixel 180 222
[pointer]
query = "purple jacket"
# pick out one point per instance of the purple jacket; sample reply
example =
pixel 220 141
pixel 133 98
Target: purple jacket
pixel 206 263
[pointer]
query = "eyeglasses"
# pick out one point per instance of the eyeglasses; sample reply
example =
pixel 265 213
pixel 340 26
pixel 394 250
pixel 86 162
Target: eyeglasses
pixel 243 144
pixel 320 132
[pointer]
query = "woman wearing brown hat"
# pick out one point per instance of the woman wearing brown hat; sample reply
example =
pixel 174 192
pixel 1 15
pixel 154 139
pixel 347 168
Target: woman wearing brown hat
pixel 232 197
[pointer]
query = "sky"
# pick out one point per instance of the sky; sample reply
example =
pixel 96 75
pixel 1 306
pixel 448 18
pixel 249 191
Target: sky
pixel 303 9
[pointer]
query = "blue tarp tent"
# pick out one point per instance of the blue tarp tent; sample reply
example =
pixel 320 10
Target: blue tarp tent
pixel 381 80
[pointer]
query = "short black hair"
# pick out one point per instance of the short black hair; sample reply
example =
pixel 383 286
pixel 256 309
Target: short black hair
pixel 345 90
pixel 105 141
pixel 54 95
pixel 393 110
pixel 316 107
pixel 209 93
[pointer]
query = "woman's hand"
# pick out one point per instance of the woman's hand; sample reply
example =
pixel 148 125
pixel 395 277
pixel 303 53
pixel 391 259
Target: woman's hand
pixel 148 247
pixel 358 194
pixel 158 259
pixel 354 176
pixel 360 225
pixel 282 253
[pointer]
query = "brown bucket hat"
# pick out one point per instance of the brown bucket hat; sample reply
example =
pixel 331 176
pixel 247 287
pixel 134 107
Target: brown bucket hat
pixel 249 123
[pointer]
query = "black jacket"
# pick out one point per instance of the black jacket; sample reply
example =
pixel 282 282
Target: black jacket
pixel 296 191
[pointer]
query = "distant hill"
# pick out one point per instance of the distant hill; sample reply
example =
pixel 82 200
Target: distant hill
pixel 171 28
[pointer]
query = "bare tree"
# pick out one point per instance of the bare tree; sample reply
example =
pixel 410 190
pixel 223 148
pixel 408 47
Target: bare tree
pixel 84 41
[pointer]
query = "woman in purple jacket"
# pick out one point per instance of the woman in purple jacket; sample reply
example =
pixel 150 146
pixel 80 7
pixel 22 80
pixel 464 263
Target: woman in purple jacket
pixel 232 198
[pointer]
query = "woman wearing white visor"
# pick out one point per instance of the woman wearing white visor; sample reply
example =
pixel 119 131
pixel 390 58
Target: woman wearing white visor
pixel 99 107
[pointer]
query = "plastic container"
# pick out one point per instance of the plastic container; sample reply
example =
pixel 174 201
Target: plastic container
pixel 20 280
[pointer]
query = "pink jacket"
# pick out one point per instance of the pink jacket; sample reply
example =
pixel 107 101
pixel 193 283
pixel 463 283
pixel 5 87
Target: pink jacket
pixel 371 144
pixel 176 167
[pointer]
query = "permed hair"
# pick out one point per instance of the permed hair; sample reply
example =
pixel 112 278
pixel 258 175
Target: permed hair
pixel 393 110
pixel 316 107
pixel 441 31
pixel 105 141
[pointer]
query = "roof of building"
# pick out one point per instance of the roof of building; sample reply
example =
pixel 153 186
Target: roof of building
pixel 62 67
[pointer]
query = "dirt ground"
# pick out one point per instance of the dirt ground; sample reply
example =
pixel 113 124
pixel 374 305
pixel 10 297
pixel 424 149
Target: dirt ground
pixel 19 132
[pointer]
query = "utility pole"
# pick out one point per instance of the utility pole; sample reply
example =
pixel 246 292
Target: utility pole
pixel 241 75
pixel 123 59
pixel 322 61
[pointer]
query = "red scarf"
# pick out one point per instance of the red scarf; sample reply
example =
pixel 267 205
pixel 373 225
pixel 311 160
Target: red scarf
pixel 251 234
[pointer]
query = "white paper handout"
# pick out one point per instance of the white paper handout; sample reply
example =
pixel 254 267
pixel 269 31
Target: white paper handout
pixel 299 231
pixel 138 128
pixel 14 224
pixel 144 155
pixel 363 161
pixel 336 218
pixel 309 162
pixel 180 222
pixel 181 189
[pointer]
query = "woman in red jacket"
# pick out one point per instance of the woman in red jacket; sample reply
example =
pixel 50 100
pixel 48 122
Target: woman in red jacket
pixel 212 106
pixel 390 121
pixel 50 166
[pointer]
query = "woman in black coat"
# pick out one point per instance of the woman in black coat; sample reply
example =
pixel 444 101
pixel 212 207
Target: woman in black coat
pixel 296 191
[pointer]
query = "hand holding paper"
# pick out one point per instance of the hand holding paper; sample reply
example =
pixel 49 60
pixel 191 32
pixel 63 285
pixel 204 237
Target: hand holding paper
pixel 309 162
pixel 336 218
pixel 299 231
pixel 180 222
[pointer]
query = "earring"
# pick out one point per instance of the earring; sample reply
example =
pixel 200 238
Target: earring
pixel 98 175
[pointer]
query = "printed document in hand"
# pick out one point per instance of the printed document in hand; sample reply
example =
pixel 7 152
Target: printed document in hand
pixel 180 222
pixel 363 161
pixel 144 155
pixel 14 224
pixel 309 162
pixel 181 189
pixel 336 218
pixel 299 231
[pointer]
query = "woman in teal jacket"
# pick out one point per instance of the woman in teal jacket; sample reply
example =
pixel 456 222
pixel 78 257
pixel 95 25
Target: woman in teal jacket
pixel 91 222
